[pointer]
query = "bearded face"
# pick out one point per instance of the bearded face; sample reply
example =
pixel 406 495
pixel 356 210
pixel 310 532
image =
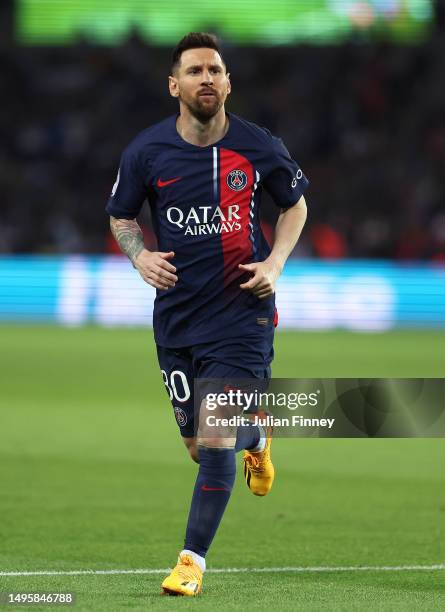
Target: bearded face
pixel 203 105
pixel 201 83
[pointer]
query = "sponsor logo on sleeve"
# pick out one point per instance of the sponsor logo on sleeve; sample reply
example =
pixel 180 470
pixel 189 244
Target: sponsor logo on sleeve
pixel 296 178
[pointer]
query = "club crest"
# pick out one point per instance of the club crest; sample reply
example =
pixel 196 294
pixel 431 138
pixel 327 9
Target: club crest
pixel 237 180
pixel 181 417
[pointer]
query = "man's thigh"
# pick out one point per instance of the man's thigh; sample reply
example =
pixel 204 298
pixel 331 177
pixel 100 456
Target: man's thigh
pixel 178 375
pixel 234 359
pixel 226 362
pixel 228 372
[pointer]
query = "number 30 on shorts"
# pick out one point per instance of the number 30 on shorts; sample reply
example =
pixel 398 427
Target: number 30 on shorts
pixel 177 387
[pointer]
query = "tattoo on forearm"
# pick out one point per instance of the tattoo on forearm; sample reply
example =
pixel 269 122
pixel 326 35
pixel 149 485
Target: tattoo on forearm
pixel 128 235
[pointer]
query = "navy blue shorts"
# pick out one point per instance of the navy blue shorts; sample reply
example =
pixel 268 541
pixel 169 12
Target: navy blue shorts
pixel 225 360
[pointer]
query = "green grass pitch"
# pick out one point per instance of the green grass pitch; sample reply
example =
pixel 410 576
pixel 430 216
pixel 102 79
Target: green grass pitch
pixel 94 476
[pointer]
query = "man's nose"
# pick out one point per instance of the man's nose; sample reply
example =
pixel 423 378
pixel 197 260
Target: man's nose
pixel 207 77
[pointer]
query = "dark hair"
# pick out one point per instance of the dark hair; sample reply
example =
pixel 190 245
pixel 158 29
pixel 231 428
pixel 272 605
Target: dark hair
pixel 194 40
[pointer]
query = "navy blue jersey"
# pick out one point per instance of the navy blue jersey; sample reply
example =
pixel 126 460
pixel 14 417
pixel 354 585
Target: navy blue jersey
pixel 205 207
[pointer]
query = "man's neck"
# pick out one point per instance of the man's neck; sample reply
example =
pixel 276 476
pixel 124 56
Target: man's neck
pixel 202 134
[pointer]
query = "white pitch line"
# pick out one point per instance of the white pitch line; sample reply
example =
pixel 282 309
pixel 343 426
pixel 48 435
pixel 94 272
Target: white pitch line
pixel 242 570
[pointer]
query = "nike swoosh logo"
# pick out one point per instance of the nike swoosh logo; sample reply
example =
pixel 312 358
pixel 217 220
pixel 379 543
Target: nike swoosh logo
pixel 169 182
pixel 206 488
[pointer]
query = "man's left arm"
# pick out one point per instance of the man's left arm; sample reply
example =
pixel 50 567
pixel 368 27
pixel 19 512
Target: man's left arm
pixel 287 232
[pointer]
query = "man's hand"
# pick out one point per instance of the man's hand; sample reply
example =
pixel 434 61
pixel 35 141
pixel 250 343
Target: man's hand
pixel 287 231
pixel 156 269
pixel 154 266
pixel 265 275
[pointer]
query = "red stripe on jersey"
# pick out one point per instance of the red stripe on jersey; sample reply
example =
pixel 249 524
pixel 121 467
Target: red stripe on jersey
pixel 236 244
pixel 275 318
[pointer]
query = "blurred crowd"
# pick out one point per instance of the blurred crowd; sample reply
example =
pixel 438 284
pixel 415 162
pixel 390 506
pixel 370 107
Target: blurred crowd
pixel 365 122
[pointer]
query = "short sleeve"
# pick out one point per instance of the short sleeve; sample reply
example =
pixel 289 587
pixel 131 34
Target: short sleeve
pixel 129 191
pixel 285 182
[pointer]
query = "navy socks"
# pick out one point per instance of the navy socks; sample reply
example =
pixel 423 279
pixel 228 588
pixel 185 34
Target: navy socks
pixel 216 475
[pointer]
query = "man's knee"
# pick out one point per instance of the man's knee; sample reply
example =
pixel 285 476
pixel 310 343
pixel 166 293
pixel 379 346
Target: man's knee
pixel 216 442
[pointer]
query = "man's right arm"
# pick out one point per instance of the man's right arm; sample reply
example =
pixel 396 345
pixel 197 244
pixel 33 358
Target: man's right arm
pixel 153 266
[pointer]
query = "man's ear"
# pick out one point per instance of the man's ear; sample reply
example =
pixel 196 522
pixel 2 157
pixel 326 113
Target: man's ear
pixel 173 86
pixel 229 84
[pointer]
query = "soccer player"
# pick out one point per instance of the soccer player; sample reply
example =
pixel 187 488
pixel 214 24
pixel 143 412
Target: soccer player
pixel 203 171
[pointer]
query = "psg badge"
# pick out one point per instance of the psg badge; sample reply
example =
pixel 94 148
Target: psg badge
pixel 181 416
pixel 237 180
